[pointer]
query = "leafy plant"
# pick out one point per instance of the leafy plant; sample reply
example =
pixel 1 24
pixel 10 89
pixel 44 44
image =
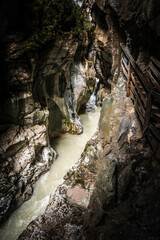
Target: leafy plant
pixel 52 16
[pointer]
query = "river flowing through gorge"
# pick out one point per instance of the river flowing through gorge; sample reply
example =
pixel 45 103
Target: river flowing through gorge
pixel 69 148
pixel 98 178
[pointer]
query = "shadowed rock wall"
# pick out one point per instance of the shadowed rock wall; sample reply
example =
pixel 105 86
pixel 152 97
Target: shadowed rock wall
pixel 113 191
pixel 108 194
pixel 139 21
pixel 41 93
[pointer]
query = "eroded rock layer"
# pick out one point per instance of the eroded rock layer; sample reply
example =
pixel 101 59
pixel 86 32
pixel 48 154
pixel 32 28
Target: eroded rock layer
pixel 107 190
pixel 116 179
pixel 43 87
pixel 136 23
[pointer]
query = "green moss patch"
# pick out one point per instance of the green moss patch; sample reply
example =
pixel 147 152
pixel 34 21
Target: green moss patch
pixel 54 16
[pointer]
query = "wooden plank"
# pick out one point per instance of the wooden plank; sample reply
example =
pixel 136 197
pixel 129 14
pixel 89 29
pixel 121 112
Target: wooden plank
pixel 148 110
pixel 155 72
pixel 145 93
pixel 139 85
pixel 155 116
pixel 156 98
pixel 157 125
pixel 140 115
pixel 112 88
pixel 140 91
pixel 155 132
pixel 153 81
pixel 129 80
pixel 125 65
pixel 124 72
pixel 119 60
pixel 138 98
pixel 155 109
pixel 149 76
pixel 131 95
pixel 137 109
pixel 138 71
pixel 154 142
pixel 155 61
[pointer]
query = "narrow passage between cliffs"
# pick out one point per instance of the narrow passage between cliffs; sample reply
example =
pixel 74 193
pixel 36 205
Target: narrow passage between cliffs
pixel 69 148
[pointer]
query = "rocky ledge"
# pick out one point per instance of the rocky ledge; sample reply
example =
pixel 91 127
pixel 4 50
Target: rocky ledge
pixel 25 155
pixel 111 192
pixel 42 93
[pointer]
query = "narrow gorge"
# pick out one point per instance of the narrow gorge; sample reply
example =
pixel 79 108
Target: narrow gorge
pixel 66 172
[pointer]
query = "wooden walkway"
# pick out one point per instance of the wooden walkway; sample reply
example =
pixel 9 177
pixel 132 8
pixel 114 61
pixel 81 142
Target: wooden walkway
pixel 144 90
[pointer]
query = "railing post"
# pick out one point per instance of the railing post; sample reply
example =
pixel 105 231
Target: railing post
pixel 112 87
pixel 119 60
pixel 148 111
pixel 129 79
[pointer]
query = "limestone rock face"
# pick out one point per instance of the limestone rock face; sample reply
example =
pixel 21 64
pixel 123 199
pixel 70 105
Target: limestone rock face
pixel 24 157
pixel 83 83
pixel 111 188
pixel 42 94
pixel 24 147
pixel 99 183
pixel 64 215
pixel 127 176
pixel 133 23
pixel 106 41
pixel 63 85
pixel 137 25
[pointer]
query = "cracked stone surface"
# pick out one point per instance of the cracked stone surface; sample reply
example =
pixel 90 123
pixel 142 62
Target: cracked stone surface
pixel 113 168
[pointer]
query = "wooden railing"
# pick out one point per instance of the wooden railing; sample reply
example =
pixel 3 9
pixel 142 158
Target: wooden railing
pixel 144 90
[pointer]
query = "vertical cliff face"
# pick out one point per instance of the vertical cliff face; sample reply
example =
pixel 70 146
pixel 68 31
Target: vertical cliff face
pixel 107 39
pixel 110 188
pixel 44 84
pixel 134 24
pixel 63 83
pixel 138 21
pixel 25 152
pixel 46 77
pixel 113 191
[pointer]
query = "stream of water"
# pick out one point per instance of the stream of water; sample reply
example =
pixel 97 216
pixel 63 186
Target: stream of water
pixel 69 148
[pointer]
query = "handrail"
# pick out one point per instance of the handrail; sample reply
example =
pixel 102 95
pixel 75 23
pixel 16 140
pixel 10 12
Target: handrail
pixel 155 61
pixel 154 70
pixel 145 91
pixel 135 66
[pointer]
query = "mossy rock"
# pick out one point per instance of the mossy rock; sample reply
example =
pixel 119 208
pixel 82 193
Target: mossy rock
pixel 50 17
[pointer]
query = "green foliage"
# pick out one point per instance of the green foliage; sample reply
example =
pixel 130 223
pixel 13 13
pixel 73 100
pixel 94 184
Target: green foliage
pixel 52 16
pixel 90 64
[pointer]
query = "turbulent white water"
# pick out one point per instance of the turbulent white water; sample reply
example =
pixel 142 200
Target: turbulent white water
pixel 69 148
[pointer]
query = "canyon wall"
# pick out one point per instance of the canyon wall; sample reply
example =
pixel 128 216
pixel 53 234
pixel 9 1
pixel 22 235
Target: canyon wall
pixel 45 81
pixel 112 192
pixel 109 193
pixel 138 24
pixel 113 187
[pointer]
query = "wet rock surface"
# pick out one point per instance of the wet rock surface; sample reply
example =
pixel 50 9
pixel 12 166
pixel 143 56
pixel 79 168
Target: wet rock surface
pixel 137 26
pixel 41 94
pixel 24 157
pixel 25 153
pixel 113 191
pixel 108 194
pixel 113 212
pixel 63 85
